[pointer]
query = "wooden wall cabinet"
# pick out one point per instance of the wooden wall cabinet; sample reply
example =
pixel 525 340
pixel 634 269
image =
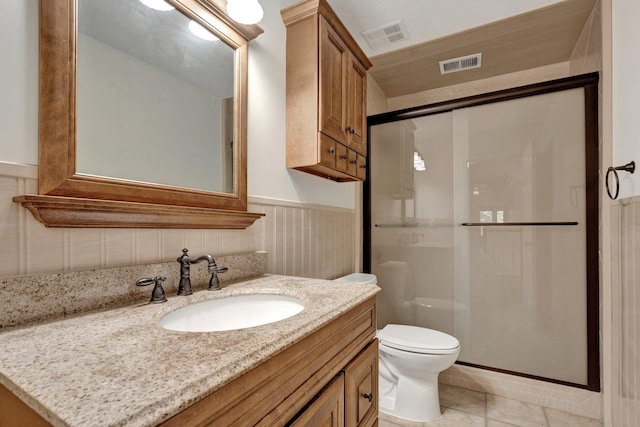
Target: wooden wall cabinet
pixel 326 94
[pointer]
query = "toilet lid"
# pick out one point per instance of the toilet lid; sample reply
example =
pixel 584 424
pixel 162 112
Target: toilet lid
pixel 417 339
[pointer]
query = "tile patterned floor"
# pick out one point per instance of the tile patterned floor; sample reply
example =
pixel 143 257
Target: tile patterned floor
pixel 467 408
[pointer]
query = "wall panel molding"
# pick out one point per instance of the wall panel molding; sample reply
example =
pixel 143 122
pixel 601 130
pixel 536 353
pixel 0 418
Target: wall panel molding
pixel 302 239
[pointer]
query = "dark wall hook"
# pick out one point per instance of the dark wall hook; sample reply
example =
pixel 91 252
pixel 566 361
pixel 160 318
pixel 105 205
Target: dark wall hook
pixel 629 167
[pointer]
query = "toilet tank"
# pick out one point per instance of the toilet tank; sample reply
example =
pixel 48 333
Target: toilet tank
pixel 366 278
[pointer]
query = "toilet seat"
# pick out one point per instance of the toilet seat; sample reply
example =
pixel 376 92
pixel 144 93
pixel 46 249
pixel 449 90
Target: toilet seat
pixel 416 339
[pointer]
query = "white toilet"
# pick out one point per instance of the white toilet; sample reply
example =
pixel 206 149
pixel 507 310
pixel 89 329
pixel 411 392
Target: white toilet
pixel 411 358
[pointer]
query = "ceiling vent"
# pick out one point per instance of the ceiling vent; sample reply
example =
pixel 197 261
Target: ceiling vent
pixel 387 34
pixel 461 64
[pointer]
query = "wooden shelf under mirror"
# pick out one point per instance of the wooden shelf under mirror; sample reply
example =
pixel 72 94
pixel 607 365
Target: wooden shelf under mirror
pixel 71 193
pixel 72 212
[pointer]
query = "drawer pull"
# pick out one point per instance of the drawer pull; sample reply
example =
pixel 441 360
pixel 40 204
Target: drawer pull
pixel 368 396
pixel 343 157
pixel 332 150
pixel 363 166
pixel 353 162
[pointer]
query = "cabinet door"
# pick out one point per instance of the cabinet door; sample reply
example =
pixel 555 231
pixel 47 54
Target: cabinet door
pixel 327 410
pixel 333 66
pixel 361 388
pixel 356 121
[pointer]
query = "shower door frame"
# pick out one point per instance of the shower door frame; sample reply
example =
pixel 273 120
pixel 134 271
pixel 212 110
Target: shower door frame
pixel 589 82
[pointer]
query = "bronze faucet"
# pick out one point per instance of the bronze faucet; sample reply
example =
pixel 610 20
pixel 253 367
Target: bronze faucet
pixel 184 288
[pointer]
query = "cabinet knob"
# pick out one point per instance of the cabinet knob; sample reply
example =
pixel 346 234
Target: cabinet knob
pixel 353 162
pixel 332 150
pixel 348 129
pixel 343 157
pixel 368 396
pixel 363 166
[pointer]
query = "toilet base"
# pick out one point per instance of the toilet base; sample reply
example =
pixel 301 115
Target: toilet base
pixel 408 380
pixel 412 400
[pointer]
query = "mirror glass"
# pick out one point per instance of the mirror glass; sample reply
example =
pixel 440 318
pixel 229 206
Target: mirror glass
pixel 154 99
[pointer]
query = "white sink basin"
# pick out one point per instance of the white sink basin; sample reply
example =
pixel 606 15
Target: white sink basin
pixel 237 312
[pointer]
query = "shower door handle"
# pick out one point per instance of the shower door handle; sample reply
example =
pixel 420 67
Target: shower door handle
pixel 507 224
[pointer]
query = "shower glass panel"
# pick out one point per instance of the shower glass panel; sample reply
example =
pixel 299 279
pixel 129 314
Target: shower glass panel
pixel 488 242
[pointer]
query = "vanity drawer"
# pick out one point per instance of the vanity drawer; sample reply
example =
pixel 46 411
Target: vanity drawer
pixel 361 388
pixel 341 158
pixel 361 173
pixel 327 155
pixel 352 163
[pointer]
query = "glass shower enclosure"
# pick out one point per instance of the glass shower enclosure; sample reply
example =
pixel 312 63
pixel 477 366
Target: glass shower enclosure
pixel 480 223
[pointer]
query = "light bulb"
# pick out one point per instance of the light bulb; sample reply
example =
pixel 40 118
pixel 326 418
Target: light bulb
pixel 157 4
pixel 199 31
pixel 246 12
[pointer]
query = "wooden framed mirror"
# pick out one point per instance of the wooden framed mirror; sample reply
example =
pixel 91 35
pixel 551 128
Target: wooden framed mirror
pixel 87 117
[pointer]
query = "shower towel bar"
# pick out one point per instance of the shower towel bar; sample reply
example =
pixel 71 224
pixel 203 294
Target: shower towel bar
pixel 507 224
pixel 407 225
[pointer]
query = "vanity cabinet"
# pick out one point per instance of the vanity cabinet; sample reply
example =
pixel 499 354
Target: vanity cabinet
pixel 269 375
pixel 328 378
pixel 326 94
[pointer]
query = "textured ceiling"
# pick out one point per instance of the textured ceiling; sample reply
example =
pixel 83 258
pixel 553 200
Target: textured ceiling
pixel 512 35
pixel 426 20
pixel 527 41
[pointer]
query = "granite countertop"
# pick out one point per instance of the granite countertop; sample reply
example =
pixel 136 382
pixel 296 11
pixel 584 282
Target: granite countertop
pixel 120 367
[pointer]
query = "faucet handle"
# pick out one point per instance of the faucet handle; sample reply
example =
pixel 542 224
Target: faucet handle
pixel 157 295
pixel 214 282
pixel 217 269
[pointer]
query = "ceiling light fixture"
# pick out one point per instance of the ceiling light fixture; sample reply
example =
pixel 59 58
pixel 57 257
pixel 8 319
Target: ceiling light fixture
pixel 246 12
pixel 201 32
pixel 157 5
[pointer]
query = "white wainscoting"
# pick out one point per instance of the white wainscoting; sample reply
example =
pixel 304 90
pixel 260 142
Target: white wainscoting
pixel 626 313
pixel 301 239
